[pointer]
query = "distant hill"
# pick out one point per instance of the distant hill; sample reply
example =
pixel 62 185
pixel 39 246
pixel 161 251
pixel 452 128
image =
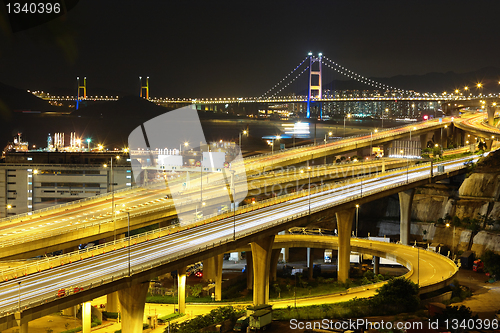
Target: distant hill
pixel 15 99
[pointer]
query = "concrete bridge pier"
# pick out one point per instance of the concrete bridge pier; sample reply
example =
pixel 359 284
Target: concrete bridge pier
pixel 71 311
pixel 212 271
pixel 489 143
pixel 423 140
pixel 387 146
pixel 376 264
pixel 86 317
pixel 249 270
pixel 310 262
pixel 491 115
pixel 23 327
pixel 437 137
pixel 405 201
pixel 261 258
pixel 275 257
pixel 181 289
pixel 132 301
pixel 112 302
pixel 344 226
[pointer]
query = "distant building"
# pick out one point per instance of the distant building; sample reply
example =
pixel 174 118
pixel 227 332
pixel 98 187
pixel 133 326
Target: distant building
pixel 34 180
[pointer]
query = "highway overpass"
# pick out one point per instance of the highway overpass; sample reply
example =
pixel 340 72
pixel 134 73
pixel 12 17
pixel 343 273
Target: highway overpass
pixel 105 269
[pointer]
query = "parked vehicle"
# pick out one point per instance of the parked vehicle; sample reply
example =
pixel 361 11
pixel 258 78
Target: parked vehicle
pixel 261 316
pixel 478 266
pixel 241 324
pixel 467 259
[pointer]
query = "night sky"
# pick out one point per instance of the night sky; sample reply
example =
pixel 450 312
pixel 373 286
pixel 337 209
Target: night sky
pixel 236 48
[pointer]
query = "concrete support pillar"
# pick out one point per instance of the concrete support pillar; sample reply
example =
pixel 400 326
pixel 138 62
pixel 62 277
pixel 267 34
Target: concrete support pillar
pixel 437 136
pixel 310 261
pixel 491 115
pixel 218 276
pixel 249 270
pixel 86 317
pixel 275 256
pixel 23 328
pixel 112 302
pixel 387 146
pixel 132 302
pixel 405 201
pixel 344 226
pixel 71 311
pixel 376 264
pixel 423 141
pixel 209 269
pixel 489 143
pixel 284 250
pixel 261 258
pixel 181 288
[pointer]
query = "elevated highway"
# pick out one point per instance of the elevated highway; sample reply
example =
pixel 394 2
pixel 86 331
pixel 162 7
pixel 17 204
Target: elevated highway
pixel 68 226
pixel 116 265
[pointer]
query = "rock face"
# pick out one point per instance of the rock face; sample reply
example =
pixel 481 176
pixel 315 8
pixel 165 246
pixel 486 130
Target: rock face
pixel 478 195
pixel 456 238
pixel 480 185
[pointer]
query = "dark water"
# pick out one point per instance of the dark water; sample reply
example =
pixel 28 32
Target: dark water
pixel 114 132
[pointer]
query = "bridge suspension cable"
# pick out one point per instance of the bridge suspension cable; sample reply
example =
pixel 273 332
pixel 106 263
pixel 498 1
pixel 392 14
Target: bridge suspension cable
pixel 290 82
pixel 360 78
pixel 277 84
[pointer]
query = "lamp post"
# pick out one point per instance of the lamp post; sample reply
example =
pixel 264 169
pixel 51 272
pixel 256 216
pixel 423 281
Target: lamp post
pixel 113 196
pixel 244 132
pixel 387 111
pixel 357 209
pixel 407 165
pixel 371 142
pixel 309 187
pixel 88 144
pixel 348 116
pixel 19 302
pixel 418 266
pixel 128 230
pixel 329 135
pixel 452 238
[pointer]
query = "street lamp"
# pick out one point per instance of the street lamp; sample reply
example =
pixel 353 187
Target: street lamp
pixel 348 116
pixel 357 209
pixel 88 144
pixel 309 187
pixel 244 132
pixel 329 135
pixel 371 142
pixel 387 111
pixel 452 238
pixel 113 196
pixel 407 165
pixel 186 144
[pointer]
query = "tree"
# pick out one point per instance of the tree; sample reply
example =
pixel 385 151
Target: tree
pixel 491 262
pixel 461 314
pixel 398 295
pixel 196 290
pixel 481 145
pixel 277 289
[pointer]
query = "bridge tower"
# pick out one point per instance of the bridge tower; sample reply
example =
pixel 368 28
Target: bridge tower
pixel 316 88
pixel 145 87
pixel 80 87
